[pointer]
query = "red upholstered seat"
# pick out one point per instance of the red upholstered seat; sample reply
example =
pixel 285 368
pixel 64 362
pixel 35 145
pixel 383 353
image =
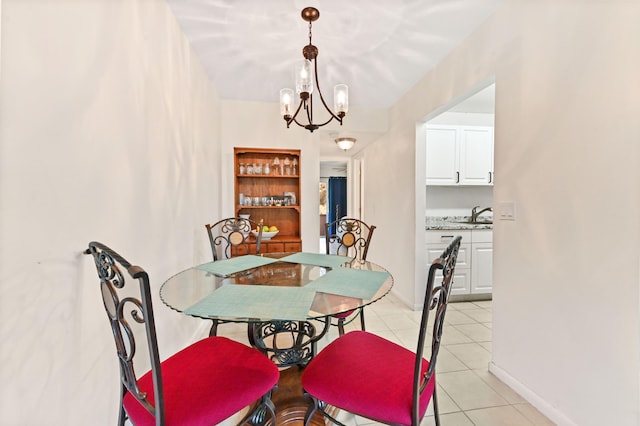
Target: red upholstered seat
pixel 366 375
pixel 375 378
pixel 205 383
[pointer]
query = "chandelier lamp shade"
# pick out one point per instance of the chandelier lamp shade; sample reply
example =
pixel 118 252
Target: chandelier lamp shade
pixel 345 143
pixel 306 78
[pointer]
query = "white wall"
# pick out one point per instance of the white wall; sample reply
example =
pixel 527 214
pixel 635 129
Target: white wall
pixel 566 272
pixel 110 131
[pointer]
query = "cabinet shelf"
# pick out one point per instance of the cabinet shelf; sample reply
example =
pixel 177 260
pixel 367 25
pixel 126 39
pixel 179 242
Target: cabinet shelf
pixel 278 186
pixel 267 176
pixel 296 208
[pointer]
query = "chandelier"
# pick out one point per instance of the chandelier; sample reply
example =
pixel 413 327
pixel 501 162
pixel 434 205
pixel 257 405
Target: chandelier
pixel 306 73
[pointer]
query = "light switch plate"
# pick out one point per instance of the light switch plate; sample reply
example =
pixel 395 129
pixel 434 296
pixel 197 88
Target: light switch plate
pixel 507 211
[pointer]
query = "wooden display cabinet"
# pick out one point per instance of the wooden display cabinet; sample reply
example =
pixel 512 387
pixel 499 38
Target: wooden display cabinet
pixel 271 196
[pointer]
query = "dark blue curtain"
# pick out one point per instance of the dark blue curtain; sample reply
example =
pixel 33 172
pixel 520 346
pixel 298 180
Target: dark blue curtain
pixel 337 199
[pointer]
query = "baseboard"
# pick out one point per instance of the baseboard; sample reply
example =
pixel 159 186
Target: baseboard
pixel 532 398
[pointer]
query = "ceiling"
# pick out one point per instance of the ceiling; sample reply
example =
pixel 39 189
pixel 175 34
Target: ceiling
pixel 379 48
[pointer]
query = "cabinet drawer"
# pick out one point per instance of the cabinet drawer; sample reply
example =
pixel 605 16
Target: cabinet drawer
pixel 445 236
pixel 464 255
pixel 292 247
pixel 481 236
pixel 274 247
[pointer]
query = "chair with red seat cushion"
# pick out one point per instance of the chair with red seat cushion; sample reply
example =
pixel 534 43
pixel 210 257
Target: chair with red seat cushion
pixel 203 384
pixel 372 377
pixel 348 237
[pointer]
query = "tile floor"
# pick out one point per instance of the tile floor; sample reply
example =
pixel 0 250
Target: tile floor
pixel 468 394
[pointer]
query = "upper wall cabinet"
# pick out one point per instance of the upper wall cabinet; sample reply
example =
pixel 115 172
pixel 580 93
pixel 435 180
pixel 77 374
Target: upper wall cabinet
pixel 459 155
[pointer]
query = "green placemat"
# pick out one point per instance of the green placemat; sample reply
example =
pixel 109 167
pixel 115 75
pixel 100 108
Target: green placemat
pixel 358 283
pixel 236 264
pixel 326 260
pixel 256 301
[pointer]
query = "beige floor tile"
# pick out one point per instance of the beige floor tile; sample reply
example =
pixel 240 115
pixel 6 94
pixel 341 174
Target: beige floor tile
pixel 498 416
pixel 409 338
pixel 496 384
pixel 399 321
pixel 476 332
pixel 373 322
pixel 485 304
pixel 480 315
pixel 458 317
pixel 487 345
pixel 535 416
pixel 451 336
pixel 469 391
pixel 473 355
pixel 448 362
pixel 461 306
pixel 445 403
pixel 452 419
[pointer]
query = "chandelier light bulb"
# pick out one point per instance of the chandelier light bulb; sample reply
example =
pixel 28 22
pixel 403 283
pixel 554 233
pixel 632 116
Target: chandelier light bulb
pixel 341 99
pixel 304 77
pixel 286 102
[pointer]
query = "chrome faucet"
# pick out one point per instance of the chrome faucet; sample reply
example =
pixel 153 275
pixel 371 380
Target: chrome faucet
pixel 475 213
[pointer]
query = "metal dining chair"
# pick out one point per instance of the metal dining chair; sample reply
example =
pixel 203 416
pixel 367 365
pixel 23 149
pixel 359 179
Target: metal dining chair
pixel 202 384
pixel 375 378
pixel 233 236
pixel 348 237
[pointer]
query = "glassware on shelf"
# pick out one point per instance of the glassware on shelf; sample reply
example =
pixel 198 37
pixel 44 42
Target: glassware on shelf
pixel 249 169
pixel 287 166
pixel 267 169
pixel 295 163
pixel 276 165
pixel 243 169
pixel 257 169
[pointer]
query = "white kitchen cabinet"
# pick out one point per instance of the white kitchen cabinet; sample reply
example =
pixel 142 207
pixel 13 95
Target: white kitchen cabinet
pixel 437 241
pixel 459 155
pixel 481 261
pixel 473 273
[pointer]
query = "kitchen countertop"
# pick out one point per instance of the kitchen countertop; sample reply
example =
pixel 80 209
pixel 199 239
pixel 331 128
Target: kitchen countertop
pixel 452 222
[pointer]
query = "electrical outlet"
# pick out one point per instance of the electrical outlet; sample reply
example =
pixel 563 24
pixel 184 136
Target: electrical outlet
pixel 507 211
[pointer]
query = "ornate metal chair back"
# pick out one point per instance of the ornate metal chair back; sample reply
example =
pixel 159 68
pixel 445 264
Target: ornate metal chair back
pixel 436 300
pixel 351 238
pixel 130 313
pixel 233 237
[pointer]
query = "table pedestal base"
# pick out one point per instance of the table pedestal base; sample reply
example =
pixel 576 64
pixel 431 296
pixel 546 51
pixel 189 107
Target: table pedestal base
pixel 291 404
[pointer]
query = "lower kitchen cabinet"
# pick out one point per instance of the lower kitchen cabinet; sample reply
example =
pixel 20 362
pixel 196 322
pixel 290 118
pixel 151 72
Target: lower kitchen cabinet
pixel 481 261
pixel 473 273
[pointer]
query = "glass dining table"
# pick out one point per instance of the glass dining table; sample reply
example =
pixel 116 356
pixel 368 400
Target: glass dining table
pixel 285 298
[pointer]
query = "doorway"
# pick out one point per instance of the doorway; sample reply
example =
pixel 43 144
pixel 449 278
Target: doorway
pixel 334 190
